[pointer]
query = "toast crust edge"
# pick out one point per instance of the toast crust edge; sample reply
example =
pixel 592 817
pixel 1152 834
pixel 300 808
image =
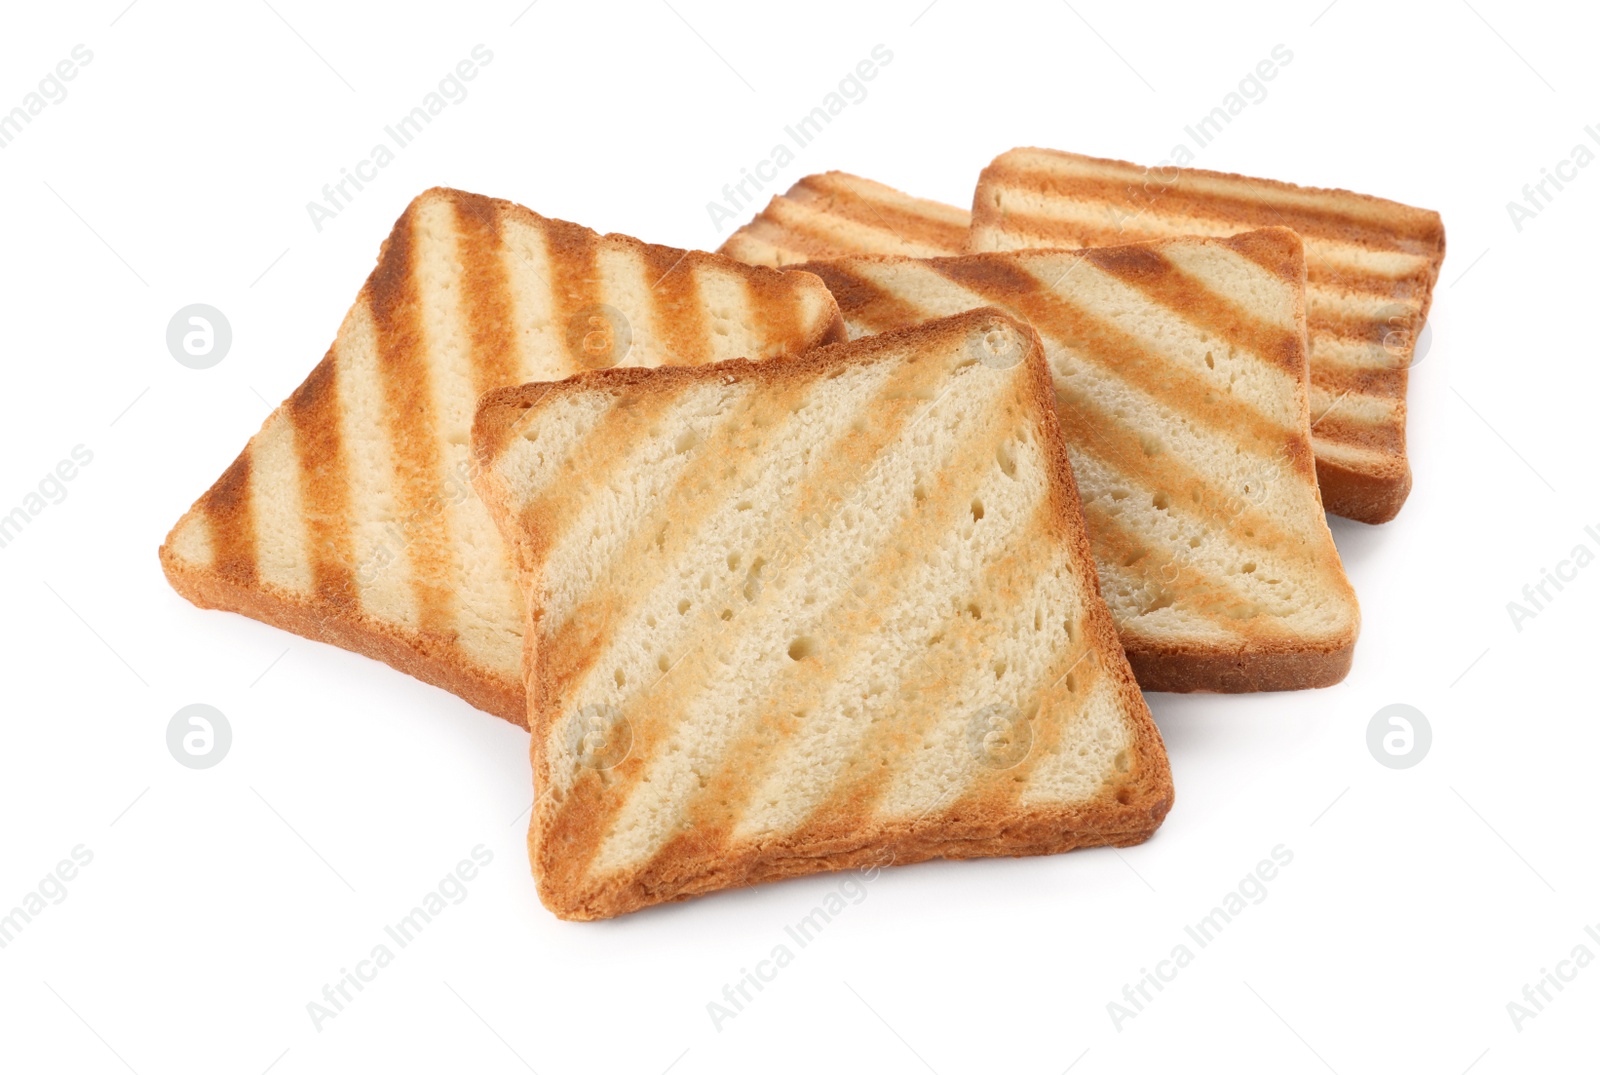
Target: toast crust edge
pixel 359 634
pixel 1124 814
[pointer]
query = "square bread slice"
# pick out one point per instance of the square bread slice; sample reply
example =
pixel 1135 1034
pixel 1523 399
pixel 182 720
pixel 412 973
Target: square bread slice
pixel 824 216
pixel 824 613
pixel 1371 264
pixel 1180 376
pixel 350 517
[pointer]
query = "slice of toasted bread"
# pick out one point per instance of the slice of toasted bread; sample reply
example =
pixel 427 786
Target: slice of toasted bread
pixel 1371 265
pixel 1180 375
pixel 350 516
pixel 831 214
pixel 828 612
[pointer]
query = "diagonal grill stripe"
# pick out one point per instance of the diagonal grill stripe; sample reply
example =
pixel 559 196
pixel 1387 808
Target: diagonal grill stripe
pixel 862 301
pixel 411 425
pixel 488 305
pixel 230 511
pixel 313 410
pixel 679 312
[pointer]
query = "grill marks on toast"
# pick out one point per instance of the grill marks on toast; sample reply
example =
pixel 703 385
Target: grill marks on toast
pixel 831 474
pixel 833 213
pixel 708 817
pixel 358 524
pixel 1092 338
pixel 871 478
pixel 1165 285
pixel 675 294
pixel 1371 267
pixel 229 511
pixel 695 491
pixel 1179 372
pixel 488 311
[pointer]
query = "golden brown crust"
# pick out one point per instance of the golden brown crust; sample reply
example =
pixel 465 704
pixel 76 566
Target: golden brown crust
pixel 1170 669
pixel 348 630
pixel 332 611
pixel 1129 809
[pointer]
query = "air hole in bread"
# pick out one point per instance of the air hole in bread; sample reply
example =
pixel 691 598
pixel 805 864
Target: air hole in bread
pixel 733 561
pixel 999 669
pixel 683 606
pixel 686 440
pixel 743 505
pixel 974 611
pixel 977 509
pixel 752 580
pixel 1007 460
pixel 1211 363
pixel 621 677
pixel 662 663
pixel 802 647
pixel 727 614
pixel 1159 501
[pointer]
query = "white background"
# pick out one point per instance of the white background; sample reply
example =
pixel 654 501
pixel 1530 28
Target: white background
pixel 1418 903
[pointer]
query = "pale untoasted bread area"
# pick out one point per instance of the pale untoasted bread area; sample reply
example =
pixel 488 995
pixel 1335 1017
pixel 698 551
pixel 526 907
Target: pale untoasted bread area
pixel 376 531
pixel 191 540
pixel 283 560
pixel 796 588
pixel 351 516
pixel 1179 373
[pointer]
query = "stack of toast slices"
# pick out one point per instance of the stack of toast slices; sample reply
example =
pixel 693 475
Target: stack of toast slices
pixel 854 542
pixel 1179 370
